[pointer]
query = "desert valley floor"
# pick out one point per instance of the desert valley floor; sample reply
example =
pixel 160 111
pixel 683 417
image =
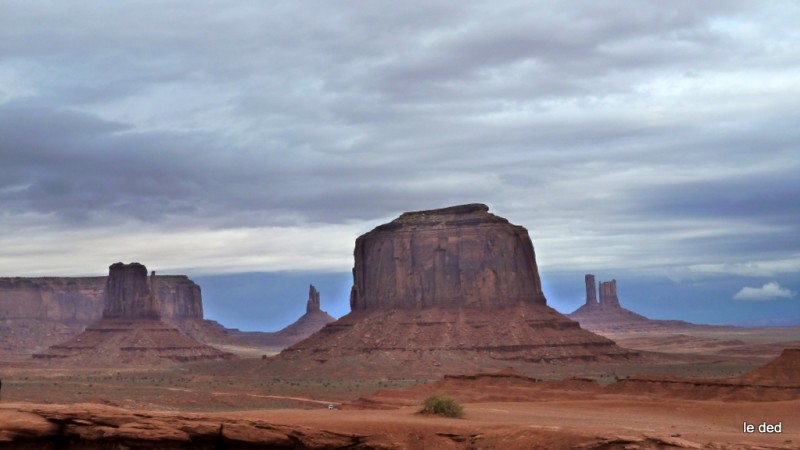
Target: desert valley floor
pixel 691 387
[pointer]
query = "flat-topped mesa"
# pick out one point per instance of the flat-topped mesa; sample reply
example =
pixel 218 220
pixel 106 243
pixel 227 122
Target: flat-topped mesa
pixel 608 294
pixel 591 291
pixel 457 256
pixel 313 300
pixel 129 295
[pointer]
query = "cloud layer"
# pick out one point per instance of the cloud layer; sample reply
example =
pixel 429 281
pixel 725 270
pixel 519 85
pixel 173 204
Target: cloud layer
pixel 264 136
pixel 768 291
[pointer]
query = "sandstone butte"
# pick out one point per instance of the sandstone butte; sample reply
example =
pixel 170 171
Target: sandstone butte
pixel 42 311
pixel 443 290
pixel 130 331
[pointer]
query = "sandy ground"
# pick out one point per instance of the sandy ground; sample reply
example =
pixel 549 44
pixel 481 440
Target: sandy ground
pixel 631 421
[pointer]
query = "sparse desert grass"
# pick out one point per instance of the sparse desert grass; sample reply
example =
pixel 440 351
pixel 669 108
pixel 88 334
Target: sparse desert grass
pixel 442 406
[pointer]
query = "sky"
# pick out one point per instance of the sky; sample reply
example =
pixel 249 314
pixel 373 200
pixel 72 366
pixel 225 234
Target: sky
pixel 247 144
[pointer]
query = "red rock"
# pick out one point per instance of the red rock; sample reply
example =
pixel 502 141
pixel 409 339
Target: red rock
pixel 129 294
pixel 457 256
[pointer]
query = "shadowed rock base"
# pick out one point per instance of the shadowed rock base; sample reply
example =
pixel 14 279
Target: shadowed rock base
pixel 433 341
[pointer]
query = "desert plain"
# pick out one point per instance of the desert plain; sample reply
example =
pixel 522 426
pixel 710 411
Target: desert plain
pixel 242 405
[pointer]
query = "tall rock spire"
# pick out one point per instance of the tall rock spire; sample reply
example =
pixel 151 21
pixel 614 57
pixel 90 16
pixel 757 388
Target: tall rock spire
pixel 591 290
pixel 313 300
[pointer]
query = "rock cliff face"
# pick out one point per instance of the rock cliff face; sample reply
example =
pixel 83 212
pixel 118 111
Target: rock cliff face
pixel 128 293
pixel 81 299
pixel 455 286
pixel 60 299
pixel 457 256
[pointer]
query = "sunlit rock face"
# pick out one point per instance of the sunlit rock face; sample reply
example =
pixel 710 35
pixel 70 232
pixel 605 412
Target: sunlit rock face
pixel 456 256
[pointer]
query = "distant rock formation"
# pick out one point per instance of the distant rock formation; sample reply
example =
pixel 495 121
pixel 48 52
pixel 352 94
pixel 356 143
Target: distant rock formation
pixel 608 294
pixel 456 285
pixel 43 311
pixel 130 331
pixel 608 313
pixel 591 292
pixel 312 305
pixel 457 256
pixel 309 323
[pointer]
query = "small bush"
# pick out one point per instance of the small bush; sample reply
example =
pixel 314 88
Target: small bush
pixel 443 406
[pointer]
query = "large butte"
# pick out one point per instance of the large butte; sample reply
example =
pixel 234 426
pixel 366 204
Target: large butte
pixel 441 291
pixel 131 330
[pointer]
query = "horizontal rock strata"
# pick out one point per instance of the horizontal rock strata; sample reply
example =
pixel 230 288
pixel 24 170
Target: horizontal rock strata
pixel 458 256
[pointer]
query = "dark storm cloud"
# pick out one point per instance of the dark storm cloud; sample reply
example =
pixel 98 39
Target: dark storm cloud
pixel 653 117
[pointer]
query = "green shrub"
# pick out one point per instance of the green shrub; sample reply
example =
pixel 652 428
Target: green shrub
pixel 443 406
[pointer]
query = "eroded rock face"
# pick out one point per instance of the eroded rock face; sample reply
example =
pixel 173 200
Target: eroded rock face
pixel 457 256
pixel 128 293
pixel 591 292
pixel 313 300
pixel 608 293
pixel 81 299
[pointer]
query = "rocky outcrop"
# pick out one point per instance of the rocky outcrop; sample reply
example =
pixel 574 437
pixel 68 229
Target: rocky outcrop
pixel 591 293
pixel 607 313
pixel 130 331
pixel 312 305
pixel 48 298
pixel 608 294
pixel 456 285
pixel 129 294
pixel 458 256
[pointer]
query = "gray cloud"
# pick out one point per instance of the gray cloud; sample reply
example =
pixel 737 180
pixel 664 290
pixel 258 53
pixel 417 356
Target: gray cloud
pixel 596 125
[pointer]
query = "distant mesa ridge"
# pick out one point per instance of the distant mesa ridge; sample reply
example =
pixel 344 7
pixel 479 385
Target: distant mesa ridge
pixel 82 299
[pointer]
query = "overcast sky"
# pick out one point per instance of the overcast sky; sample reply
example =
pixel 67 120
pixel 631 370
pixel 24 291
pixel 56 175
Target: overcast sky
pixel 653 139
